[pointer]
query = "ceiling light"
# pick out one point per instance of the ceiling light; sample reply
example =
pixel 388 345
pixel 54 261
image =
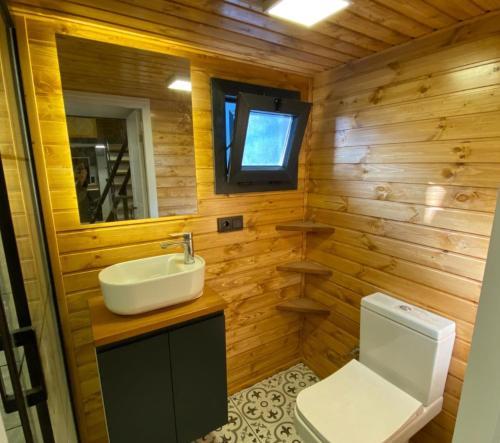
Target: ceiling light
pixel 180 84
pixel 100 146
pixel 305 12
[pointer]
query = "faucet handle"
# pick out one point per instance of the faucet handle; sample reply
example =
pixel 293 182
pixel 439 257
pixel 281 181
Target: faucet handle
pixel 183 235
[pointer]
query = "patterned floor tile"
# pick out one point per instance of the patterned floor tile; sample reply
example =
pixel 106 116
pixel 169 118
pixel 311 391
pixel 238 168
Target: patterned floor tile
pixel 236 430
pixel 263 413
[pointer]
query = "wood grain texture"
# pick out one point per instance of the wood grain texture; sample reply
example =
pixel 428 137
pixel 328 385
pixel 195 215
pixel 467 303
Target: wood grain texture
pixel 403 164
pixel 241 266
pixel 108 328
pixel 303 305
pixel 242 30
pixel 305 267
pixel 305 226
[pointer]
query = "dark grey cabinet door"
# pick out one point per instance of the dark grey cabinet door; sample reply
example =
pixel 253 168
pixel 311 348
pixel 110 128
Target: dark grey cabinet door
pixel 137 391
pixel 198 355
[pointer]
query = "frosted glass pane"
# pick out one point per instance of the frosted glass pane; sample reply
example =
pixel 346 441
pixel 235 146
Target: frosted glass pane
pixel 266 139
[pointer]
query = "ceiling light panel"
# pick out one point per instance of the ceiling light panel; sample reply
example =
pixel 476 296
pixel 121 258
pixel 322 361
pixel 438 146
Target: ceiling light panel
pixel 306 12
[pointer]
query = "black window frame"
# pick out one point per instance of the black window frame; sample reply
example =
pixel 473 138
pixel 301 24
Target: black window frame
pixel 234 178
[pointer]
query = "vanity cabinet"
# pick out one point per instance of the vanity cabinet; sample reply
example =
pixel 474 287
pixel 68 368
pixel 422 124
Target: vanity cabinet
pixel 167 386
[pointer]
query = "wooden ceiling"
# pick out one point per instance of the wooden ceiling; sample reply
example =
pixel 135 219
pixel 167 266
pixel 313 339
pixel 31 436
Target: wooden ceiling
pixel 240 29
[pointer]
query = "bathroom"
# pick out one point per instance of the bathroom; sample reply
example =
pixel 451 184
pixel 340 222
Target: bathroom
pixel 375 175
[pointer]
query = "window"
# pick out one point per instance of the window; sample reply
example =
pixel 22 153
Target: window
pixel 267 139
pixel 258 132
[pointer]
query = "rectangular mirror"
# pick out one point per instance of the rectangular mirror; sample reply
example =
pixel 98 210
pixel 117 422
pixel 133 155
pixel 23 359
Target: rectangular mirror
pixel 129 118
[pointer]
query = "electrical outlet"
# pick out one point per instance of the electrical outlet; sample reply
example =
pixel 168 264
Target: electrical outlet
pixel 224 224
pixel 228 224
pixel 237 223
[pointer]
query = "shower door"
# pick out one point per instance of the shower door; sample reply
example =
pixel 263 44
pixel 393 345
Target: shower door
pixel 22 385
pixel 29 339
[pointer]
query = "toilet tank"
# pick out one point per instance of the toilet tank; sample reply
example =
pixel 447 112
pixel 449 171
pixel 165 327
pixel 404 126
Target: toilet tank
pixel 407 345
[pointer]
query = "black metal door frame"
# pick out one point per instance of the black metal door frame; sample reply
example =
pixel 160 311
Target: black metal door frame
pixel 25 336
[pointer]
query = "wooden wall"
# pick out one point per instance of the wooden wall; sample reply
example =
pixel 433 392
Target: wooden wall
pixel 405 163
pixel 98 67
pixel 40 302
pixel 240 265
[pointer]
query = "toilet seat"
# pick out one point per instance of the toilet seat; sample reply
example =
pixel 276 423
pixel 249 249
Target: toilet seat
pixel 356 405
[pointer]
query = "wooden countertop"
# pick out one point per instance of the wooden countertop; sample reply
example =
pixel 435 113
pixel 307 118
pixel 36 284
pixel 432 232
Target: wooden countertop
pixel 110 328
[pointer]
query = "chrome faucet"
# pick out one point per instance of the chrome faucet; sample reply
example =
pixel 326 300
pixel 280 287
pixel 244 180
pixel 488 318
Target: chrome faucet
pixel 186 242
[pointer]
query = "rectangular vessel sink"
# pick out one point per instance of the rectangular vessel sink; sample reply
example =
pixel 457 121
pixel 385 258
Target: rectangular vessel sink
pixel 146 284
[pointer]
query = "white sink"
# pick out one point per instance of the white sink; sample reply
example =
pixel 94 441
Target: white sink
pixel 143 285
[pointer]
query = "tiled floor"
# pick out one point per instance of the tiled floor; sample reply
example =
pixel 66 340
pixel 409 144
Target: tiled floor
pixel 263 413
pixel 11 421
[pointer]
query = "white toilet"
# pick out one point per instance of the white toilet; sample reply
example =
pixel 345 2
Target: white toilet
pixel 394 390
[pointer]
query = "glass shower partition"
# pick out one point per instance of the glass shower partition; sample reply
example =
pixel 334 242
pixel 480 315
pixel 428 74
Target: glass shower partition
pixel 35 406
pixel 22 384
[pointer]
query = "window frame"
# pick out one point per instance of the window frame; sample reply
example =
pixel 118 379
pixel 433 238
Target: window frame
pixel 240 179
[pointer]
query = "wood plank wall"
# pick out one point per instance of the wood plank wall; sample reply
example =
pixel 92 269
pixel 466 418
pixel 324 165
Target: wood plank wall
pixel 240 266
pixel 405 163
pixel 96 67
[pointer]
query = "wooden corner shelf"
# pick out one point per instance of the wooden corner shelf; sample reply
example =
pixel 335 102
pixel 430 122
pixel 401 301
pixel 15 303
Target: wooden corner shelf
pixel 305 267
pixel 304 306
pixel 305 226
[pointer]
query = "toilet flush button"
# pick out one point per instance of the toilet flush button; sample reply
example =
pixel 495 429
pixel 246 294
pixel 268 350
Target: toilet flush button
pixel 405 308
